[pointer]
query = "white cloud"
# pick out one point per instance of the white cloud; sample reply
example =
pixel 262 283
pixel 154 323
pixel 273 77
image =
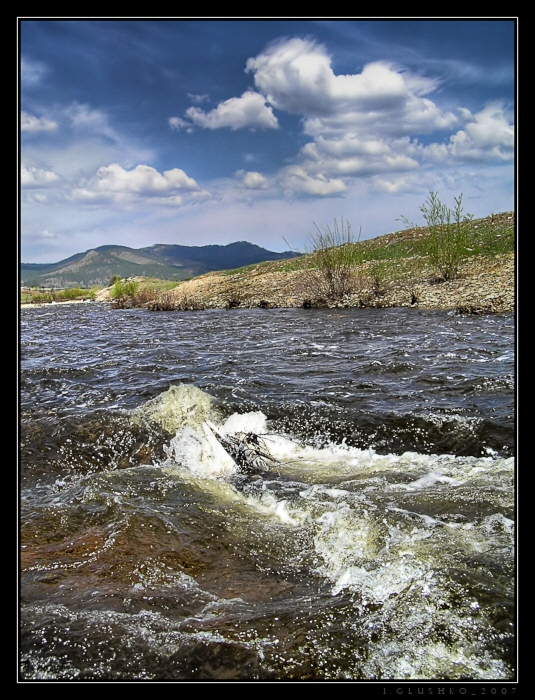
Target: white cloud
pixel 296 76
pixel 249 110
pixel 31 72
pixel 113 182
pixel 176 123
pixel 368 123
pixel 398 185
pixel 30 123
pixel 295 179
pixel 93 121
pixel 488 136
pixel 356 157
pixel 143 179
pixel 361 124
pixel 37 177
pixel 253 180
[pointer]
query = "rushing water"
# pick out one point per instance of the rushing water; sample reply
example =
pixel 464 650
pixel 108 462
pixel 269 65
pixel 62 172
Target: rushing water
pixel 266 494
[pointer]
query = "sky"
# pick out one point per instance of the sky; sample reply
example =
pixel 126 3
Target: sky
pixel 142 131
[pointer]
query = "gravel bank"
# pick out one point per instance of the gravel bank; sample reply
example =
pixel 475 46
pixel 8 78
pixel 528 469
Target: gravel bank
pixel 485 285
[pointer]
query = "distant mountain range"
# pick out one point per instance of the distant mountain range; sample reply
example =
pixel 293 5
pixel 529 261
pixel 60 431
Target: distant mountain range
pixel 97 266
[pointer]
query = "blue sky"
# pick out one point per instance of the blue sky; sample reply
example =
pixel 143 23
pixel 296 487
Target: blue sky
pixel 135 132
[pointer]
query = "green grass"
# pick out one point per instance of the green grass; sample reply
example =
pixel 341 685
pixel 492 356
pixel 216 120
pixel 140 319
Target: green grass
pixel 158 285
pixel 262 267
pixel 36 296
pixel 490 236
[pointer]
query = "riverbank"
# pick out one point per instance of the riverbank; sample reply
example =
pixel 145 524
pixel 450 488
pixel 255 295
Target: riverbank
pixel 485 285
pixel 28 305
pixel 395 270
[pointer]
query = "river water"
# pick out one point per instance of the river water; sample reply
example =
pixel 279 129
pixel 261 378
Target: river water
pixel 266 495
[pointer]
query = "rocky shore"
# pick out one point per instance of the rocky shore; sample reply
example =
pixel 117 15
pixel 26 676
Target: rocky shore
pixel 485 285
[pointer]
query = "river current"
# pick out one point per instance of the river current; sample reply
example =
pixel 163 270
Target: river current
pixel 280 494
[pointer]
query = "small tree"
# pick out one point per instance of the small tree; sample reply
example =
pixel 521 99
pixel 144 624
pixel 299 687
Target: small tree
pixel 449 234
pixel 332 261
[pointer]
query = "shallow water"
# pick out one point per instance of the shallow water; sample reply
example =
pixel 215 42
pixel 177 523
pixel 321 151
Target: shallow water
pixel 266 494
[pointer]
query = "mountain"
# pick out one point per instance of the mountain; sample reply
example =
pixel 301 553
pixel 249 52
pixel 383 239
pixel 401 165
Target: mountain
pixel 97 266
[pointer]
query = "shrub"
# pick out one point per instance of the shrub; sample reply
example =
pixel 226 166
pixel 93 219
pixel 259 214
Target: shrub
pixel 162 301
pixel 449 235
pixel 378 276
pixel 332 262
pixel 123 293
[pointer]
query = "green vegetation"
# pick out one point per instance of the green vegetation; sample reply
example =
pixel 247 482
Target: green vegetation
pixel 123 288
pixel 100 266
pixel 489 236
pixel 369 268
pixel 33 296
pixel 337 265
pixel 449 235
pixel 332 269
pixel 440 248
pixel 331 266
pixel 127 294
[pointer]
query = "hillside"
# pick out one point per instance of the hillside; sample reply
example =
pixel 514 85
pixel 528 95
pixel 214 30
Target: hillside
pixel 97 266
pixel 388 271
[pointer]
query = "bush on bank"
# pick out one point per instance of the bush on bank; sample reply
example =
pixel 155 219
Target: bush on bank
pixel 52 295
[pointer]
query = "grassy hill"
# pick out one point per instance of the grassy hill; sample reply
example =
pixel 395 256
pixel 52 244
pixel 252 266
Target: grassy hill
pixel 397 269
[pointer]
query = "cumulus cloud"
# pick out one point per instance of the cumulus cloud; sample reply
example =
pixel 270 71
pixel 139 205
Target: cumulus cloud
pixel 113 182
pixel 143 179
pixel 37 177
pixel 30 123
pixel 296 76
pixel 357 157
pixel 253 180
pixel 249 110
pixel 487 136
pixel 295 179
pixel 360 124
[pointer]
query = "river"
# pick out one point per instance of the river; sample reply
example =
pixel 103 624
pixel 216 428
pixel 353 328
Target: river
pixel 280 494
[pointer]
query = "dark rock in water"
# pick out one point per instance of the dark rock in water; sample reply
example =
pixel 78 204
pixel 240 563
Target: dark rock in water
pixel 248 451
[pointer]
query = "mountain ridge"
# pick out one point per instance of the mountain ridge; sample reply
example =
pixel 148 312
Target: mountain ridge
pixel 96 266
